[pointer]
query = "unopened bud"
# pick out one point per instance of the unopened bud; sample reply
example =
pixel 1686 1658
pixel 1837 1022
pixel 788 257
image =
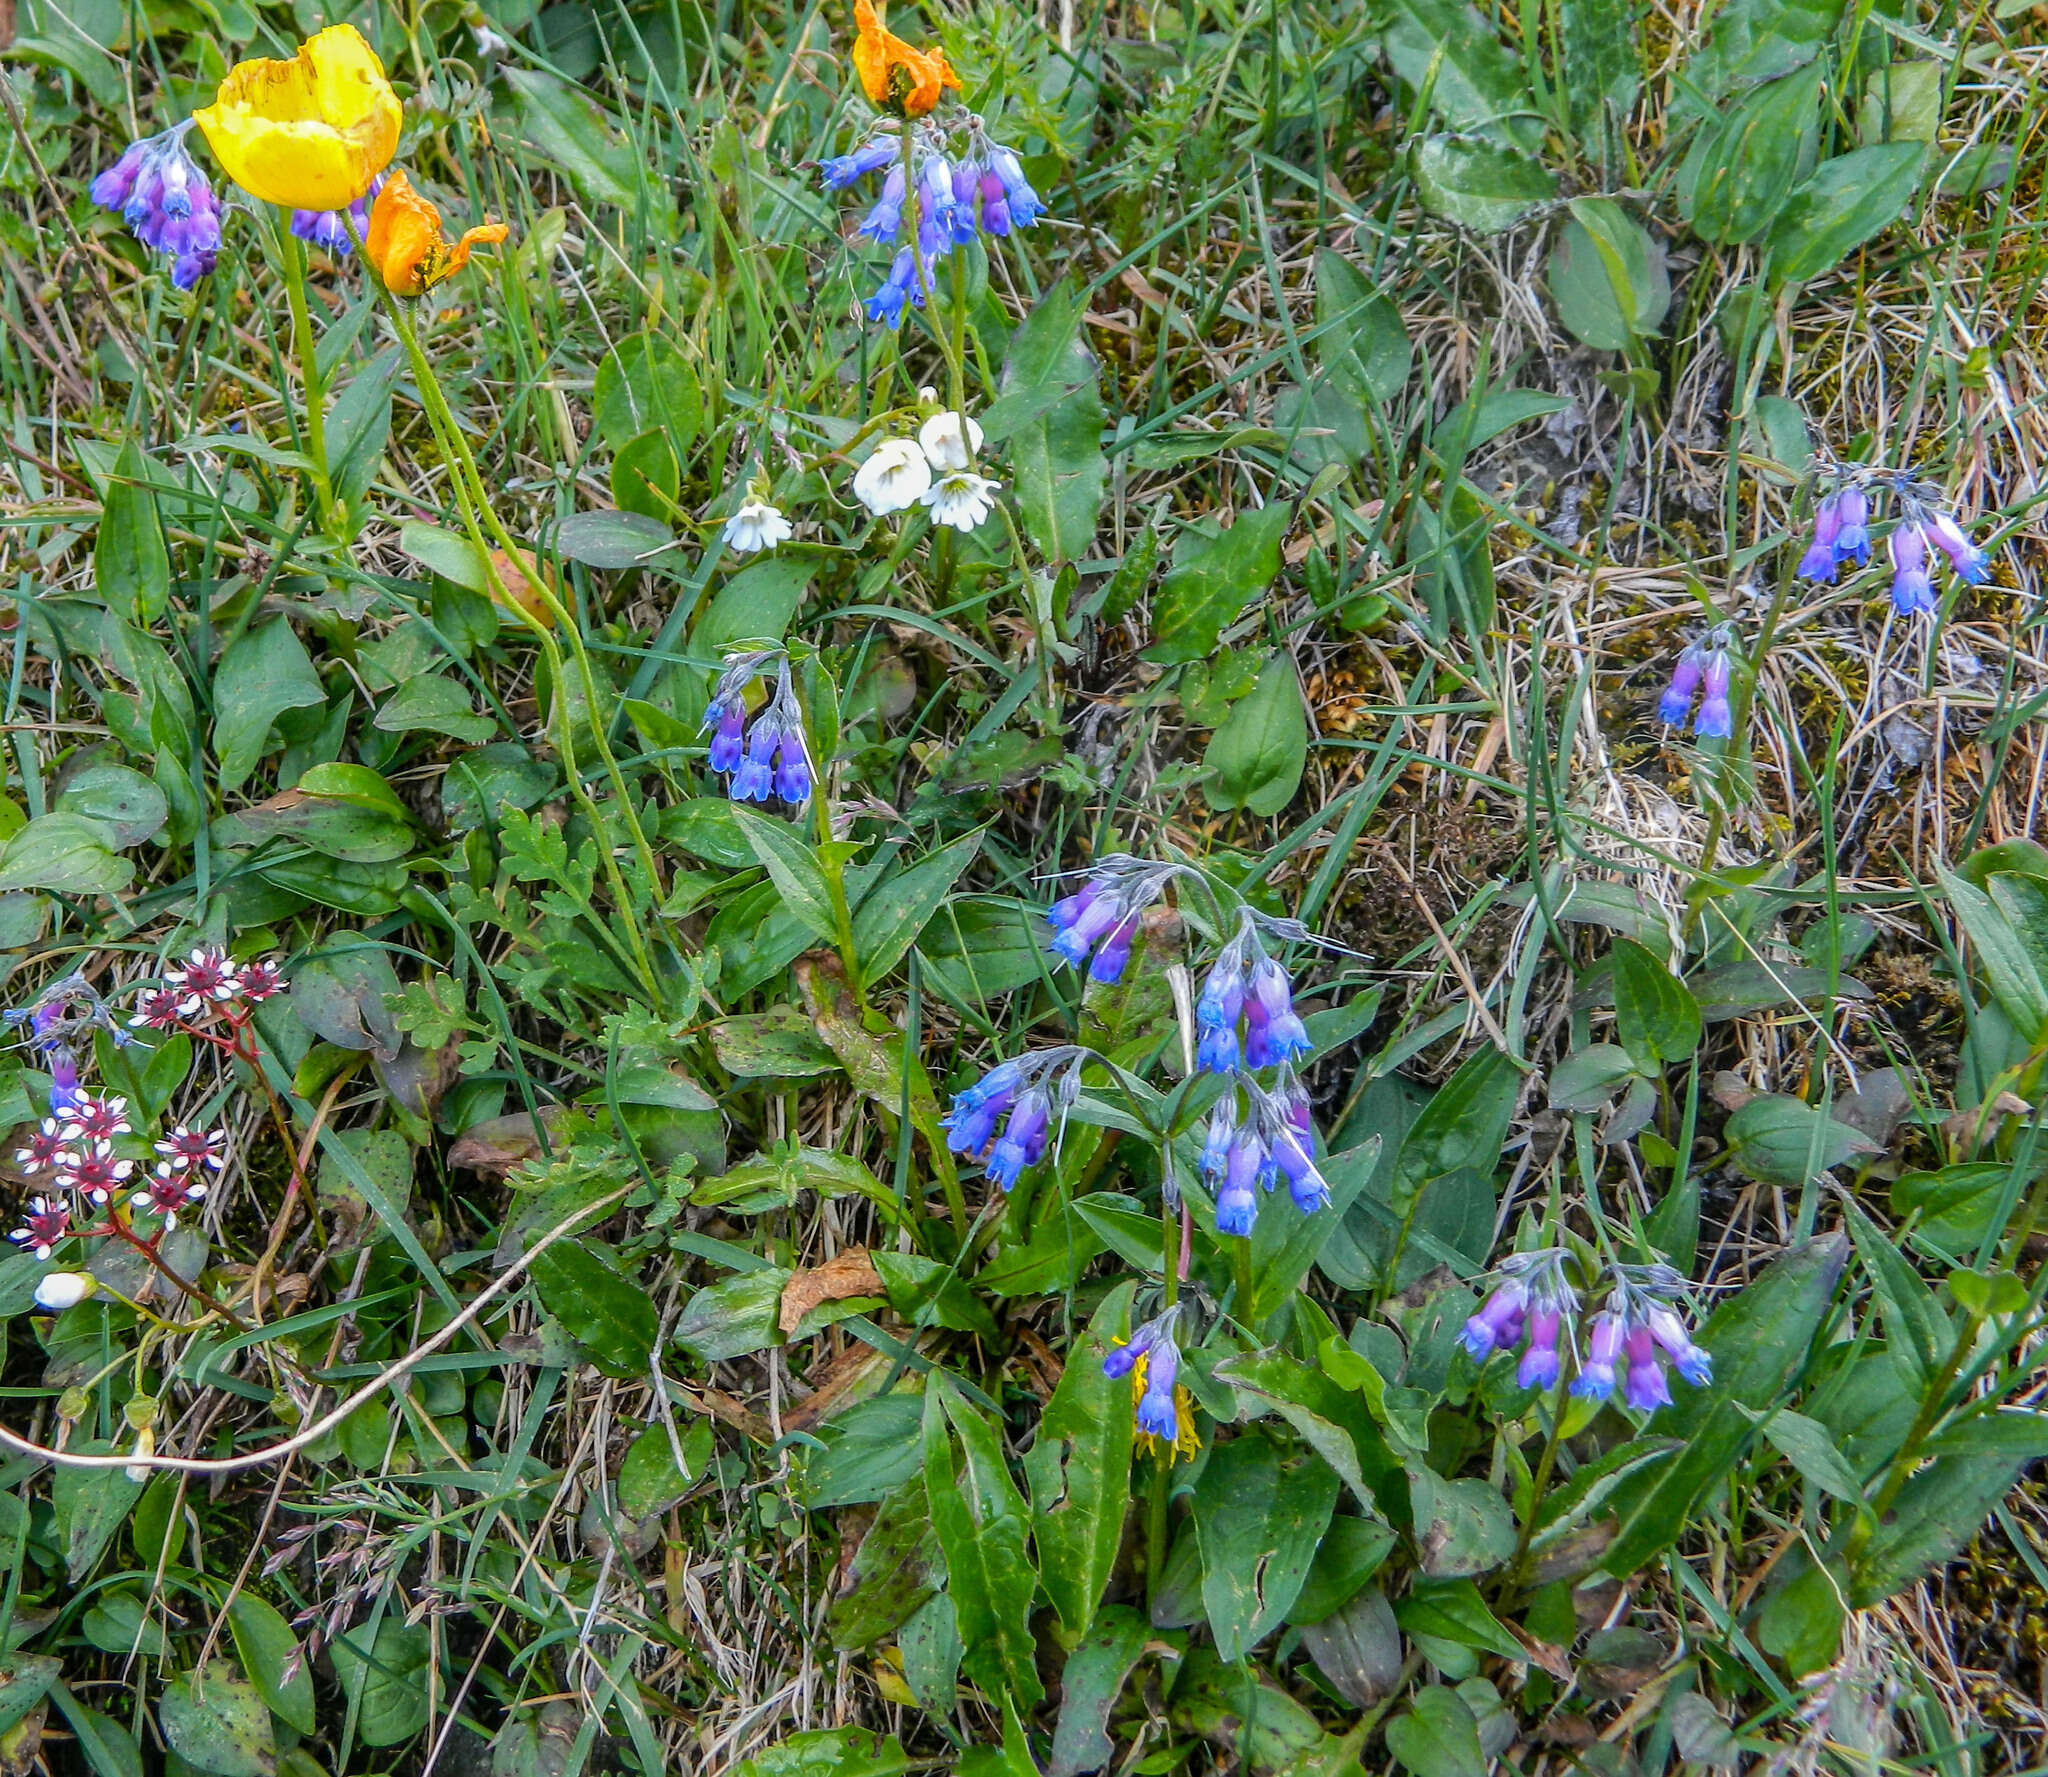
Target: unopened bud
pixel 60 1290
pixel 140 1411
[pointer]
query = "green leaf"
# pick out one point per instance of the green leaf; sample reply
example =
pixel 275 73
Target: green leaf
pixel 1602 66
pixel 1805 1444
pixel 1255 760
pixel 779 1044
pixel 90 1505
pixel 1215 574
pixel 792 864
pixel 261 674
pixel 1801 1622
pixel 215 1720
pixel 385 1678
pixel 340 811
pixel 1089 1686
pixel 1329 1417
pixel 1285 1246
pixel 436 704
pixel 1741 168
pixel 650 1481
pixel 645 384
pixel 1587 1079
pixel 1478 184
pixel 1607 276
pixel 108 1747
pixel 895 911
pixel 612 540
pixel 358 426
pixel 275 1662
pixel 131 562
pixel 1057 456
pixel 1756 40
pixel 130 806
pixel 830 1752
pixel 1364 345
pixel 1849 200
pixel 1452 1612
pixel 1462 1527
pixel 1655 1015
pixel 1438 1736
pixel 613 1318
pixel 25 1680
pixel 1784 1141
pixel 733 1318
pixel 1933 1519
pixel 1079 1470
pixel 1259 1514
pixel 1475 82
pixel 895 1571
pixel 980 1519
pixel 576 133
pixel 64 852
pixel 2010 963
pixel 1462 1127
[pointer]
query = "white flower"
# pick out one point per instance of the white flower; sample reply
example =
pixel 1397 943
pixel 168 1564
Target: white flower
pixel 950 440
pixel 64 1289
pixel 145 1445
pixel 962 499
pixel 757 525
pixel 894 478
pixel 488 42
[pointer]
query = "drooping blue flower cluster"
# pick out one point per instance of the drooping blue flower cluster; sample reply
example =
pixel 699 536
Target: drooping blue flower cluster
pixel 166 201
pixel 768 757
pixel 335 232
pixel 954 194
pixel 1637 1329
pixel 1008 1112
pixel 1246 1153
pixel 1157 1414
pixel 1924 528
pixel 1098 923
pixel 1247 985
pixel 1706 669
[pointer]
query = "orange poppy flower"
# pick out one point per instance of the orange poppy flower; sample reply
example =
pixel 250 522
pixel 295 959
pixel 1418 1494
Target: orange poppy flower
pixel 906 81
pixel 405 243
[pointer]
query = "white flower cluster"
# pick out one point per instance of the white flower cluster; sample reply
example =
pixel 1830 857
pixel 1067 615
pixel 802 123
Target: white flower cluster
pixel 935 469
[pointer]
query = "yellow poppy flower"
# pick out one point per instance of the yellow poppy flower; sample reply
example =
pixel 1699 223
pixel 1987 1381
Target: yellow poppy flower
pixel 906 81
pixel 405 244
pixel 310 133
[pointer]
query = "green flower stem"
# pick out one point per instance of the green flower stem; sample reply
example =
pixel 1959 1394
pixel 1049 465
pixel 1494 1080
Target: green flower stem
pixel 479 516
pixel 310 377
pixel 833 870
pixel 1932 1405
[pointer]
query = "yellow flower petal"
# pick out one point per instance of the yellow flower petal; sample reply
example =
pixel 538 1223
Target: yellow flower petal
pixel 405 245
pixel 310 133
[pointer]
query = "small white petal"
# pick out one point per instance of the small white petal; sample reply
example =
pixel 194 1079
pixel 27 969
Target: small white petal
pixel 962 499
pixel 755 526
pixel 64 1289
pixel 894 478
pixel 949 440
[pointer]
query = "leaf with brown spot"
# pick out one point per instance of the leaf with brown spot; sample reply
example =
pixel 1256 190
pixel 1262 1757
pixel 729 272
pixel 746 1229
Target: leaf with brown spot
pixel 841 1279
pixel 498 1144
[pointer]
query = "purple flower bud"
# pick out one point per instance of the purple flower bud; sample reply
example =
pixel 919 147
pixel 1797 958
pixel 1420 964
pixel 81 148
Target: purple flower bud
pixel 995 204
pixel 1069 908
pixel 1072 942
pixel 1595 1380
pixel 1498 1324
pixel 730 719
pixel 1158 1412
pixel 1120 1360
pixel 1110 960
pixel 112 189
pixel 754 780
pixel 900 289
pixel 1676 703
pixel 63 1082
pixel 1669 1332
pixel 793 770
pixel 1025 207
pixel 1237 1204
pixel 881 223
pixel 1022 1142
pixel 1539 1365
pixel 1852 537
pixel 841 170
pixel 1716 720
pixel 1965 557
pixel 1283 1036
pixel 1648 1388
pixel 1216 1139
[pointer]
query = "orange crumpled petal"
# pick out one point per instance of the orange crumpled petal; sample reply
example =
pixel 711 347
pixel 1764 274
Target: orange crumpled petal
pixel 405 244
pixel 906 81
